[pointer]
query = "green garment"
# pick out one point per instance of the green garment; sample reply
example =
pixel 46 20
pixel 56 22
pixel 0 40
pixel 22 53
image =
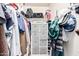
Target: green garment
pixel 53 29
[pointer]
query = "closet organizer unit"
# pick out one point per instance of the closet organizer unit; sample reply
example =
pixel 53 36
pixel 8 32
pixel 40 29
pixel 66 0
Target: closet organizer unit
pixel 39 37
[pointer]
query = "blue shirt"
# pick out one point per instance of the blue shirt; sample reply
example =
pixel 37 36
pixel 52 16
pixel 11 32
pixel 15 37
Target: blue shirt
pixel 21 23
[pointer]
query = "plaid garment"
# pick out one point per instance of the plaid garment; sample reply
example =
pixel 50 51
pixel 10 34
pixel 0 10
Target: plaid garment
pixel 57 45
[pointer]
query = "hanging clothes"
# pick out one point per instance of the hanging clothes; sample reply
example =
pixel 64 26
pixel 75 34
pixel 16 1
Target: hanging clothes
pixel 15 40
pixel 55 35
pixel 8 26
pixel 3 42
pixel 67 19
pixel 22 32
pixel 23 43
pixel 54 29
pixel 57 45
pixel 9 21
pixel 20 22
pixel 27 32
pixel 70 25
pixel 2 15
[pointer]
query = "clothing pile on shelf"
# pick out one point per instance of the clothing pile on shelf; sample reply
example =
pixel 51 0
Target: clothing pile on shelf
pixel 14 31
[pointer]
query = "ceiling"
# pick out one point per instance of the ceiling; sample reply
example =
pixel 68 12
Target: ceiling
pixel 37 4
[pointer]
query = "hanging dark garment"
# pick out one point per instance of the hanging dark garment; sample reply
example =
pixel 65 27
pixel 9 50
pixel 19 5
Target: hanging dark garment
pixel 57 45
pixel 3 43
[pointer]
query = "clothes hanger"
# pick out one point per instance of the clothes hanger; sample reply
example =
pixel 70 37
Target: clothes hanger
pixel 13 5
pixel 66 16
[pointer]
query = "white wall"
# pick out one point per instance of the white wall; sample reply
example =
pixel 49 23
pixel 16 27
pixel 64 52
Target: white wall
pixel 38 7
pixel 57 7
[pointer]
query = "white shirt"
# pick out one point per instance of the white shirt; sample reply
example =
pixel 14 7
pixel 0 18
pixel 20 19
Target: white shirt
pixel 15 41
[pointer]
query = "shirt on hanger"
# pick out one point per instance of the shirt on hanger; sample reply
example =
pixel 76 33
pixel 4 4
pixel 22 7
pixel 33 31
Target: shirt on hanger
pixel 15 40
pixel 21 23
pixel 7 14
pixel 2 16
